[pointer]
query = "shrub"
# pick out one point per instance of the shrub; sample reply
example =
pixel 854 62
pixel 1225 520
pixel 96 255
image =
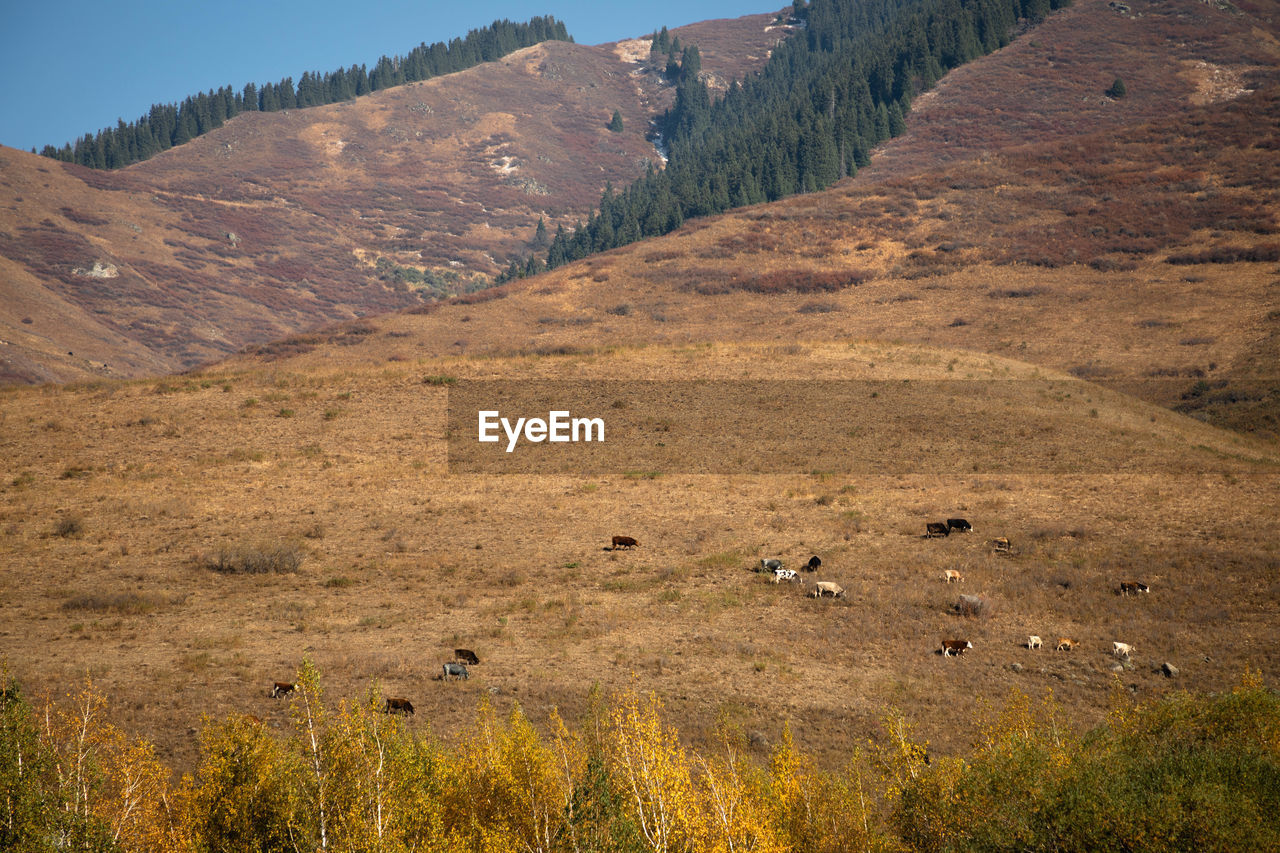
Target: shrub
pixel 71 525
pixel 278 558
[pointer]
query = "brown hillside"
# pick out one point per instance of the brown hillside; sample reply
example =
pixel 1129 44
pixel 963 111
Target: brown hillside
pixel 1133 241
pixel 276 222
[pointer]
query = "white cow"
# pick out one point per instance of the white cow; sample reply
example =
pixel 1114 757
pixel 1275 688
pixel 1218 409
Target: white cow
pixel 1122 650
pixel 822 588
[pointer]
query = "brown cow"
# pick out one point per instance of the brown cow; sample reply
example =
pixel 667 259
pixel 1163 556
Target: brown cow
pixel 1001 545
pixel 936 528
pixel 624 542
pixel 282 688
pixel 952 575
pixel 955 647
pixel 466 656
pixel 1065 644
pixel 398 706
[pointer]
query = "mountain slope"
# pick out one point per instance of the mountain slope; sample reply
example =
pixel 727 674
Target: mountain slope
pixel 1133 241
pixel 279 221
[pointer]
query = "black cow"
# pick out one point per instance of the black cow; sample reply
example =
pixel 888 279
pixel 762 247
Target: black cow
pixel 960 525
pixel 935 528
pixel 466 656
pixel 814 563
pixel 1133 587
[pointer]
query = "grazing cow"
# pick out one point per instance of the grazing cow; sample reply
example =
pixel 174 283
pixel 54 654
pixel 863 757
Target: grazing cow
pixel 282 688
pixel 398 706
pixel 814 563
pixel 788 575
pixel 1033 642
pixel 959 525
pixel 770 565
pixel 251 720
pixel 466 656
pixel 1065 644
pixel 456 670
pixel 822 588
pixel 935 528
pixel 1122 650
pixel 624 542
pixel 952 575
pixel 1133 587
pixel 955 647
pixel 1001 545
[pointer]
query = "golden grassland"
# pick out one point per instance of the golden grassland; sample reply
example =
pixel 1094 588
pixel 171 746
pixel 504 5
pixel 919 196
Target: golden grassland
pixel 116 498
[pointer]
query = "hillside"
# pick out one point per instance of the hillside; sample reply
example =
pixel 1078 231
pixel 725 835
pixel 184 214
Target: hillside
pixel 1008 304
pixel 120 499
pixel 1132 241
pixel 277 222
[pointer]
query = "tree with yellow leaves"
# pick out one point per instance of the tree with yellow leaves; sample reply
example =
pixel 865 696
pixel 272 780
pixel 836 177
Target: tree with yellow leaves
pixel 653 771
pixel 113 791
pixel 732 791
pixel 508 789
pixel 246 795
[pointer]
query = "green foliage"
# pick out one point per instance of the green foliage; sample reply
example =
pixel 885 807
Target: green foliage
pixel 1184 773
pixel 169 125
pixel 615 125
pixel 27 799
pixel 1116 89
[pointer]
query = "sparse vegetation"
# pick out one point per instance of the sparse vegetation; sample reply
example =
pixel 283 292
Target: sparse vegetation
pixel 268 558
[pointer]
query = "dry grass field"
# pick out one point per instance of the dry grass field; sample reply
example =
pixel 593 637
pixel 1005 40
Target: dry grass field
pixel 121 502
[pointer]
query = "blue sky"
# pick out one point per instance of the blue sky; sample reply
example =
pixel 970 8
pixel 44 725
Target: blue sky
pixel 75 67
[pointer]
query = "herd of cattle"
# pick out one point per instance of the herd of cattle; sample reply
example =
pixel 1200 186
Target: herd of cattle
pixel 457 668
pixel 966 603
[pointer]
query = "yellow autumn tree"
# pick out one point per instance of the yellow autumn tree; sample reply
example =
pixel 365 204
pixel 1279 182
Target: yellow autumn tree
pixel 814 810
pixel 365 788
pixel 509 791
pixel 652 771
pixel 737 817
pixel 113 790
pixel 246 795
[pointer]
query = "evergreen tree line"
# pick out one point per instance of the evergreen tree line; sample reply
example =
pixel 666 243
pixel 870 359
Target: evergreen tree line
pixel 826 97
pixel 169 125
